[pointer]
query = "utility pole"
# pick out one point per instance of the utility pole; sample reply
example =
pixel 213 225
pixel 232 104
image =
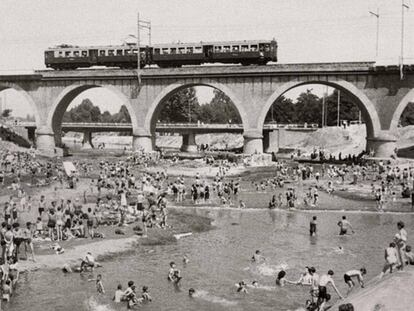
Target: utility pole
pixel 141 24
pixel 323 110
pixel 376 43
pixel 403 7
pixel 338 107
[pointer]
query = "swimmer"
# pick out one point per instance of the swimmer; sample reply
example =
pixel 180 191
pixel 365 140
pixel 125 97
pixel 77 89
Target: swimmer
pixel 119 293
pixel 312 226
pixel 344 226
pixel 191 292
pixel 258 257
pixel 255 284
pixel 354 274
pixel 241 287
pixel 281 279
pixel 305 278
pixel 99 285
pixel 174 273
pixel 185 259
pixel 145 296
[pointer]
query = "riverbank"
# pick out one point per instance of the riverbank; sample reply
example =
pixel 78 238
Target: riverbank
pixel 76 249
pixel 393 292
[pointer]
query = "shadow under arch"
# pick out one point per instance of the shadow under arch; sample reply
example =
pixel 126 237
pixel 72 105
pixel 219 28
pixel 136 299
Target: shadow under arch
pixel 368 111
pixel 61 103
pixel 156 106
pixel 408 98
pixel 28 99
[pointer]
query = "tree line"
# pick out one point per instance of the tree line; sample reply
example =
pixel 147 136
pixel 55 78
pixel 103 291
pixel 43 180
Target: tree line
pixel 183 106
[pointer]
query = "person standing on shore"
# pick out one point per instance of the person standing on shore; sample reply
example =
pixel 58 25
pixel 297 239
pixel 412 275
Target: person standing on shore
pixel 401 241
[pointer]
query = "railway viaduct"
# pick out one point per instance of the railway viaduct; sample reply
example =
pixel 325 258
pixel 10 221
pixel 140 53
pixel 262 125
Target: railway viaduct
pixel 379 92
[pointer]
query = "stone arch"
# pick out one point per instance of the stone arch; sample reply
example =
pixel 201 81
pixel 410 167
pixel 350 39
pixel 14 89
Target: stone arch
pixel 64 99
pixel 408 98
pixel 27 97
pixel 156 106
pixel 368 110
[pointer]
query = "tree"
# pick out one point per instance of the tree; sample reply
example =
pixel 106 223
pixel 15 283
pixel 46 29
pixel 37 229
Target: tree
pixel 6 113
pixel 407 117
pixel 282 111
pixel 181 107
pixel 220 110
pixel 348 109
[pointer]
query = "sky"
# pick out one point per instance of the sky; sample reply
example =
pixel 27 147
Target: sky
pixel 306 30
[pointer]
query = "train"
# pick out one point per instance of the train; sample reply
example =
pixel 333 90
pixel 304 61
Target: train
pixel 69 57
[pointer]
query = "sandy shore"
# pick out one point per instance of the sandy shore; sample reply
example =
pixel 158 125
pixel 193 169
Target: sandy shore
pixel 74 255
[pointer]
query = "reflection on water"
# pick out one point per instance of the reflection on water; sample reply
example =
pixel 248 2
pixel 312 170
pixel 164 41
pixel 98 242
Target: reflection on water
pixel 220 258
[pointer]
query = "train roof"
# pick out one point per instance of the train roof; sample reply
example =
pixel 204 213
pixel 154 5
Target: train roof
pixel 178 44
pixel 68 47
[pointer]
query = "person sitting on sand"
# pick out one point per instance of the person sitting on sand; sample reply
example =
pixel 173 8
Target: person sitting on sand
pixel 88 262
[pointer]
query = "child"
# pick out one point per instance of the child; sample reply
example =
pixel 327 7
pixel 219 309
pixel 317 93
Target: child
pixel 119 293
pixel 174 273
pixel 145 295
pixel 99 285
pixel 7 291
pixel 391 258
pixel 39 227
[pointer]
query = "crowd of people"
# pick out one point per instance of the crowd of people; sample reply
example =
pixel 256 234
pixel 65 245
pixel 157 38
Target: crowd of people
pixel 125 193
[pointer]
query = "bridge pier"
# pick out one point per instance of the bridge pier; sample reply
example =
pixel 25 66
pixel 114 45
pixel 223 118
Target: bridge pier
pixel 253 142
pixel 45 141
pixel 87 140
pixel 189 143
pixel 383 145
pixel 142 142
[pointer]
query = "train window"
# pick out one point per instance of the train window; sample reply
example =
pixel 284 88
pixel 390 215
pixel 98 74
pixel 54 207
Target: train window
pixel 235 48
pixel 60 54
pixel 67 53
pixel 173 51
pixel 119 52
pixel 226 48
pixel 218 49
pixel 267 47
pixel 157 51
pixel 190 50
pixel 111 52
pixel 76 53
pixel 197 49
pixel 253 47
pixel 165 51
pixel 244 48
pixel 84 53
pixel 102 53
pixel 181 50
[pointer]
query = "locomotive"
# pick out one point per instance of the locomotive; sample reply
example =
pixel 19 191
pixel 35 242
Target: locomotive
pixel 259 52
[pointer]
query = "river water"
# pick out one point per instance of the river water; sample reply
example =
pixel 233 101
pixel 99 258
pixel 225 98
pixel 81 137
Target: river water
pixel 221 257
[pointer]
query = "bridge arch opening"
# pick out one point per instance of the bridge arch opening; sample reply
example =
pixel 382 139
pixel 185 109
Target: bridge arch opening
pixel 205 115
pixel 314 105
pixel 17 108
pixel 402 125
pixel 88 110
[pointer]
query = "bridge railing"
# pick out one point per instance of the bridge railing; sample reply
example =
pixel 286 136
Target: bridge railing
pixel 174 125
